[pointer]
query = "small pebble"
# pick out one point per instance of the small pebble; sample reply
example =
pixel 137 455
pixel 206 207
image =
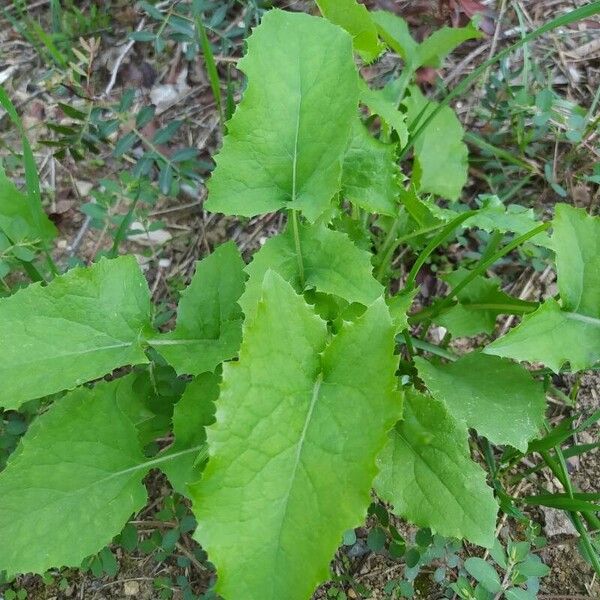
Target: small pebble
pixel 131 588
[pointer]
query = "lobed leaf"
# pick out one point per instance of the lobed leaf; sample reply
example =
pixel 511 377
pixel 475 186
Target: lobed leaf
pixel 370 176
pixel 288 137
pixel 357 21
pixel 380 104
pixel 443 41
pixel 209 318
pixel 332 265
pixel 394 31
pixel 296 420
pixel 426 473
pixel 494 396
pixel 81 326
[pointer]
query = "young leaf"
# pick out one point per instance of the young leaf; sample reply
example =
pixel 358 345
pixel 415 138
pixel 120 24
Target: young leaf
pixel 399 306
pixel 553 335
pixel 394 30
pixel 426 473
pixel 209 319
pixel 357 21
pixel 430 53
pixel 370 176
pixel 288 137
pixel 332 264
pixel 479 303
pixel 193 413
pixel 79 327
pixel 441 156
pixel 494 215
pixel 20 218
pixel 442 42
pixel 72 484
pixel 495 396
pixel 296 419
pixel 380 104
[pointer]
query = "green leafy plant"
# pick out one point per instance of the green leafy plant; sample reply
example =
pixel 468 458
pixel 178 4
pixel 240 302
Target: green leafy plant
pixel 308 381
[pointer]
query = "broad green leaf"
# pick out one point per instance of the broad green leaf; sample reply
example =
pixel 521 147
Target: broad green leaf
pixel 394 30
pixel 75 479
pixel 288 136
pixel 21 218
pixel 193 413
pixel 576 241
pixel 72 484
pixel 493 395
pixel 441 156
pixel 483 572
pixel 209 318
pixel 332 265
pixel 519 594
pixel 442 42
pixel 380 104
pixel 297 422
pixel 357 21
pixel 479 303
pixel 426 473
pixel 79 327
pixel 552 337
pixel 370 176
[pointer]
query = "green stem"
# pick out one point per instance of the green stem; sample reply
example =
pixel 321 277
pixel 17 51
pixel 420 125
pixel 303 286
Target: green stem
pixel 433 244
pixel 211 68
pixel 387 249
pixel 294 217
pixel 428 347
pixel 565 480
pixel 482 267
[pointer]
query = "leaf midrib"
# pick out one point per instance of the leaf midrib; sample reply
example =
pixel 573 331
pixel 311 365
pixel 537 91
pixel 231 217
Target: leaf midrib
pixel 297 461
